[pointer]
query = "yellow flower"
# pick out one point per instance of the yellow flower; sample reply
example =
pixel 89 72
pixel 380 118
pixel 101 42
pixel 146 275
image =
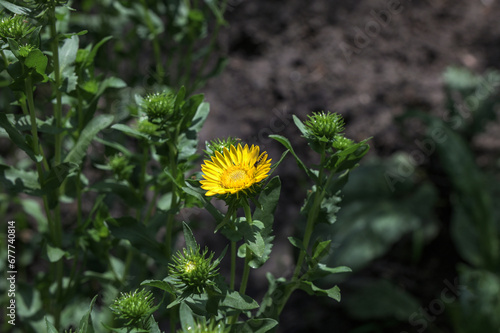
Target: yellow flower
pixel 234 171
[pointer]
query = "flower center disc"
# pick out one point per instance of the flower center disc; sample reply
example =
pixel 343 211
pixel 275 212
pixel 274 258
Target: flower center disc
pixel 234 178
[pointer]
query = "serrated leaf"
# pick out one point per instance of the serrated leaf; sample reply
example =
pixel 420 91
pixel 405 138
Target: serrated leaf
pixel 79 150
pixel 16 136
pixel 67 56
pixel 37 60
pixel 235 300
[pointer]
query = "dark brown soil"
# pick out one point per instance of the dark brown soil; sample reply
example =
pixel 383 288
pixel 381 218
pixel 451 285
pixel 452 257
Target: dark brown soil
pixel 368 60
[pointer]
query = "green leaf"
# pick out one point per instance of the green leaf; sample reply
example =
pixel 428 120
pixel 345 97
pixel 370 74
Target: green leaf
pixel 255 325
pixel 15 8
pixel 298 243
pixel 300 125
pixel 67 56
pixel 79 150
pixel 320 249
pixel 37 60
pixel 188 237
pixel 57 175
pixel 268 201
pixel 186 317
pixel 160 284
pixel 86 322
pixel 278 292
pixel 50 327
pixel 235 300
pixel 380 300
pixel 130 131
pixel 284 141
pixel 16 180
pixel 125 192
pixel 16 137
pixel 55 254
pixel 321 271
pixel 311 289
pixel 136 233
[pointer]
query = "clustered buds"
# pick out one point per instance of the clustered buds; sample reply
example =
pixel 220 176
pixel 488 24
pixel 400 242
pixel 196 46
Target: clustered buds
pixel 342 143
pixel 202 326
pixel 220 144
pixel 323 126
pixel 15 27
pixel 121 166
pixel 193 269
pixel 135 307
pixel 159 107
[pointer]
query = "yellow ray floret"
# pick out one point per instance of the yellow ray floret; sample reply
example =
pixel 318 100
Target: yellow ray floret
pixel 236 169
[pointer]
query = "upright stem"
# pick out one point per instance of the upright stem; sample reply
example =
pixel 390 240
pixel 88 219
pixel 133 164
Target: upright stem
pixel 57 154
pixel 313 214
pixel 233 264
pixel 156 45
pixel 248 256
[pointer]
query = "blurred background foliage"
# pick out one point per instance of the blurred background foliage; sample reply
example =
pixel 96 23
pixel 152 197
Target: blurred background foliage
pixel 411 225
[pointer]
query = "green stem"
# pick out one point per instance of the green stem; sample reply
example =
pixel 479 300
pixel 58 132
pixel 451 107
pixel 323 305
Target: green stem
pixel 248 255
pixel 5 61
pixel 233 264
pixel 313 214
pixel 56 85
pixel 172 154
pixel 152 205
pixel 160 71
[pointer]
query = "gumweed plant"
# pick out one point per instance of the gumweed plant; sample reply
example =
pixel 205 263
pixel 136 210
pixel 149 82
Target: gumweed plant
pixel 100 186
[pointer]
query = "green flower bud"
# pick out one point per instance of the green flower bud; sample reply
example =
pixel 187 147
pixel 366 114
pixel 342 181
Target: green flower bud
pixel 323 126
pixel 147 127
pixel 15 27
pixel 201 326
pixel 159 107
pixel 193 270
pixel 134 307
pixel 121 166
pixel 342 143
pixel 219 145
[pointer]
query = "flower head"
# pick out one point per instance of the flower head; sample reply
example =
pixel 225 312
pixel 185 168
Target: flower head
pixel 219 145
pixel 236 171
pixel 342 143
pixel 121 166
pixel 14 27
pixel 202 326
pixel 134 306
pixel 323 126
pixel 193 269
pixel 159 107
